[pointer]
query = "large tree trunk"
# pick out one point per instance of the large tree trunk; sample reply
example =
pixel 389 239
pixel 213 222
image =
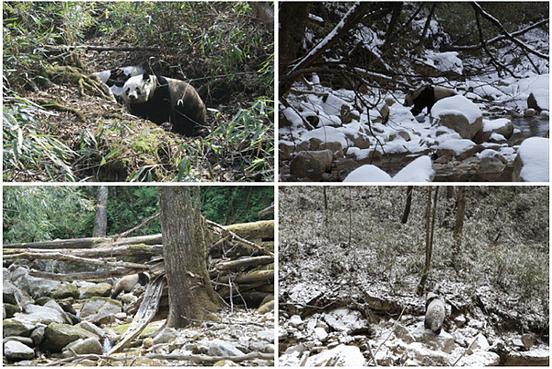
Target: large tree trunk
pixel 293 22
pixel 430 226
pixel 459 224
pixel 100 223
pixel 190 292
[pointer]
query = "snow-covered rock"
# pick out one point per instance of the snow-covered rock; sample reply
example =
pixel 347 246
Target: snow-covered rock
pixel 345 320
pixel 460 114
pixel 420 170
pixel 341 355
pixel 531 163
pixel 311 165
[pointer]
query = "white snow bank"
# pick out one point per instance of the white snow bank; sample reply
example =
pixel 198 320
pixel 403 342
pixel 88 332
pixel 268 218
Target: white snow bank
pixel 457 105
pixel 490 125
pixel 420 170
pixel 534 156
pixel 452 143
pixel 368 173
pixel 538 86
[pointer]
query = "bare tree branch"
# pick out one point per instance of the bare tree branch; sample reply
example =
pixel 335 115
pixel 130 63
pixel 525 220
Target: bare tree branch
pixel 506 34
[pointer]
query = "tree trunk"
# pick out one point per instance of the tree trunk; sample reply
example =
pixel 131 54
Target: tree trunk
pixel 409 190
pixel 293 22
pixel 430 225
pixel 426 28
pixel 100 223
pixel 190 292
pixel 459 224
pixel 393 26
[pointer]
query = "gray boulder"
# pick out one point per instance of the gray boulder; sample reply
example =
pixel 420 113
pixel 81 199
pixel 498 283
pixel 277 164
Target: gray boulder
pixel 60 335
pixel 219 347
pixel 311 165
pixel 17 351
pixel 100 310
pixel 15 327
pixel 81 346
pixel 64 291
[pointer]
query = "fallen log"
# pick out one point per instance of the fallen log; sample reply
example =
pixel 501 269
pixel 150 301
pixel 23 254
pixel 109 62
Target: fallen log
pixel 84 276
pixel 120 251
pixel 245 262
pixel 253 231
pixel 212 359
pixel 73 259
pixel 86 243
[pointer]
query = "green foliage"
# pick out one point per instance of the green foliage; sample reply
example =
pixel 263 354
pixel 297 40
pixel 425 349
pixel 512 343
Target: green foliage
pixel 233 204
pixel 251 134
pixel 30 152
pixel 33 214
pixel 33 32
pixel 129 206
pixel 42 213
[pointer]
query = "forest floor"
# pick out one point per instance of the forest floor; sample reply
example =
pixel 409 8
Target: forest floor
pixel 96 140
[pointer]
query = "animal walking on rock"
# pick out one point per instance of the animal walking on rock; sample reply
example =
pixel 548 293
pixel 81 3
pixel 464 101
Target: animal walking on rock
pixel 435 313
pixel 128 282
pixel 426 97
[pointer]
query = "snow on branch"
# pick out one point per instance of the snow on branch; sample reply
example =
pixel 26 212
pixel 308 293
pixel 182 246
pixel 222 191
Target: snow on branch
pixel 506 34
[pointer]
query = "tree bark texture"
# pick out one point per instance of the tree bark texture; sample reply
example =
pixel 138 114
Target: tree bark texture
pixel 459 224
pixel 293 21
pixel 409 190
pixel 100 222
pixel 430 226
pixel 190 292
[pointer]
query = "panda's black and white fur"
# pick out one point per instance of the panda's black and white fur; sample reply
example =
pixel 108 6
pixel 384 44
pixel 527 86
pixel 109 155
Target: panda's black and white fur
pixel 425 97
pixel 162 99
pixel 435 313
pixel 128 282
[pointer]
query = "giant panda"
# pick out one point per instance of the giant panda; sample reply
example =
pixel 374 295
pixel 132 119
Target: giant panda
pixel 426 96
pixel 162 99
pixel 435 313
pixel 128 282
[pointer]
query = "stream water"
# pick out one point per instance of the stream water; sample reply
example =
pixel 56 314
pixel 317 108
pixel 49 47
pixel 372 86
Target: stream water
pixel 527 127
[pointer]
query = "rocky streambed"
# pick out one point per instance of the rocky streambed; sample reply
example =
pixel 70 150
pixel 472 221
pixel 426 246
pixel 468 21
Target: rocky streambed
pixel 48 322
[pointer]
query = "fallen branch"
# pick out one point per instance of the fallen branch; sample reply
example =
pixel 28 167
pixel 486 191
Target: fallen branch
pixel 86 243
pixel 145 314
pixel 78 358
pixel 130 250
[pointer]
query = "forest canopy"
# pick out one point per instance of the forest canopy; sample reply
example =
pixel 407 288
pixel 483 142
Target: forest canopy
pixel 43 213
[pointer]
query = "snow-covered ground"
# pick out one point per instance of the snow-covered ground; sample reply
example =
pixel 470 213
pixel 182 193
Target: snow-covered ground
pixel 317 112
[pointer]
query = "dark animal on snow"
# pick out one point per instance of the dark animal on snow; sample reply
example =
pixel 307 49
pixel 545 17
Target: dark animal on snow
pixel 426 97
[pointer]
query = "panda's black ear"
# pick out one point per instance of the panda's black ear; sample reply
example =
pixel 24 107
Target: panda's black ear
pixel 145 76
